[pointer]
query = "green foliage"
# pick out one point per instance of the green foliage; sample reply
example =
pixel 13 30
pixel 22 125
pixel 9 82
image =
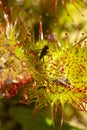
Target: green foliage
pixel 55 79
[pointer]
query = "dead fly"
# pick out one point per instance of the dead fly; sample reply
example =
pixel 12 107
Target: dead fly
pixel 63 82
pixel 44 51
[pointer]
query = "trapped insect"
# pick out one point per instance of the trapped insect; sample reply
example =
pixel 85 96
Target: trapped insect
pixel 44 51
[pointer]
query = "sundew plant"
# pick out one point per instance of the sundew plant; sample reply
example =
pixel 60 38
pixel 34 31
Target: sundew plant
pixel 43 64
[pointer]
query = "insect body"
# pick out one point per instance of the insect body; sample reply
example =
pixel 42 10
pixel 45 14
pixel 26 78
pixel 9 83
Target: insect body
pixel 63 81
pixel 44 51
